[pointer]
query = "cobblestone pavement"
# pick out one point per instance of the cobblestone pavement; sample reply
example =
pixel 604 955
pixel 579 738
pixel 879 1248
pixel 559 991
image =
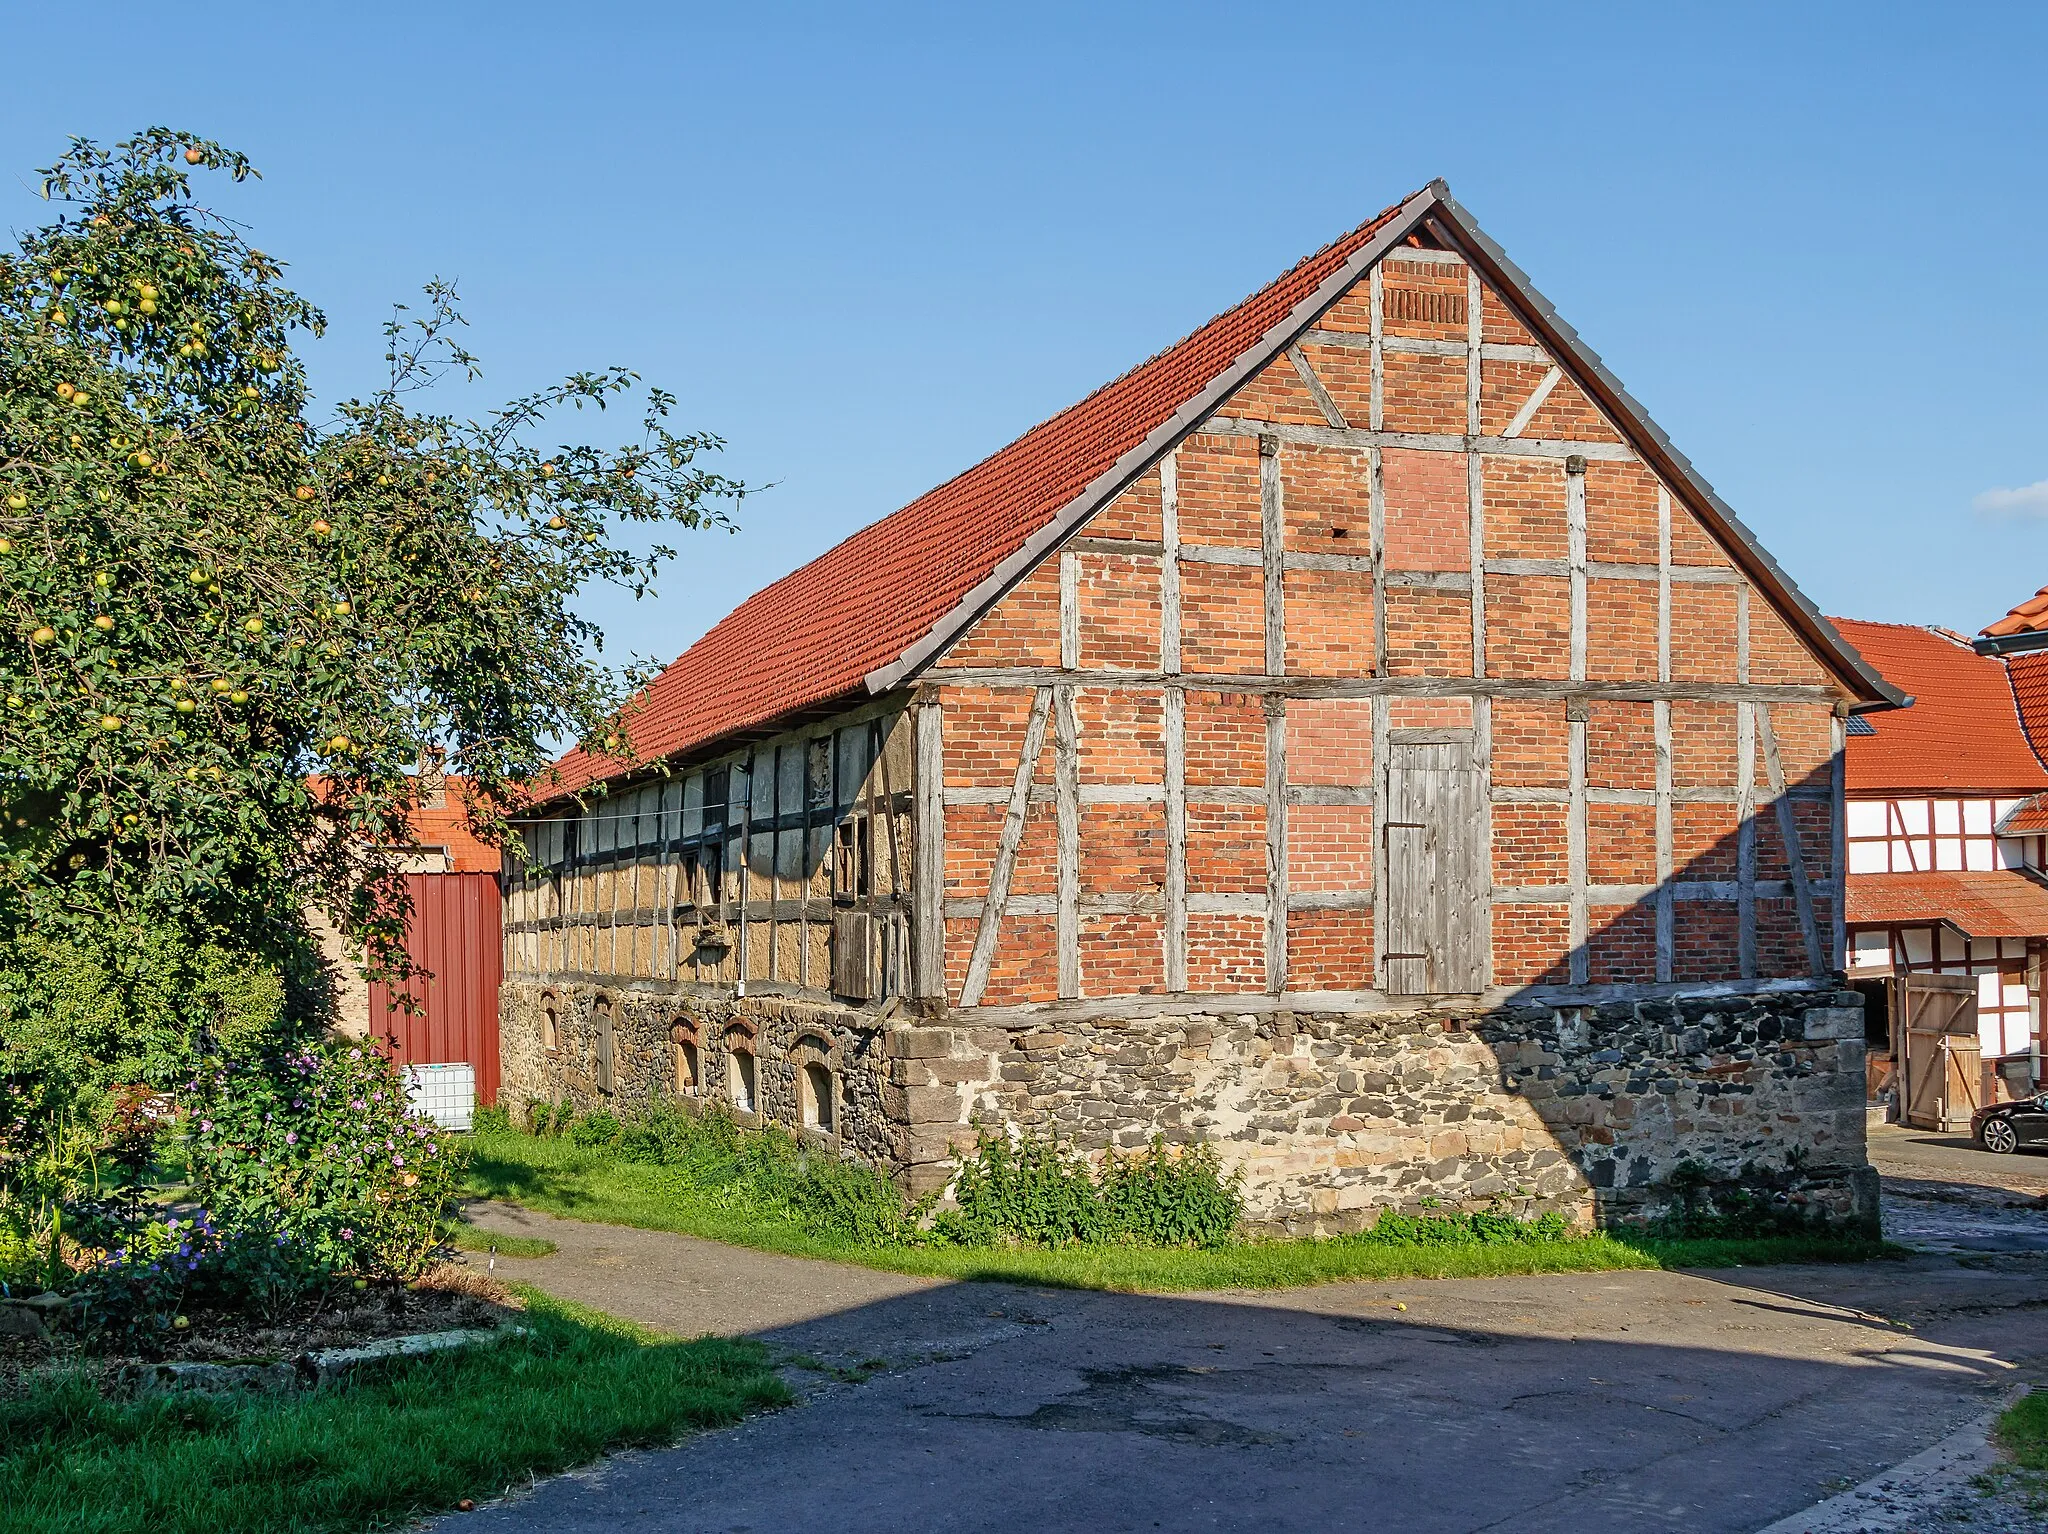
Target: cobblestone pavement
pixel 1942 1194
pixel 1703 1402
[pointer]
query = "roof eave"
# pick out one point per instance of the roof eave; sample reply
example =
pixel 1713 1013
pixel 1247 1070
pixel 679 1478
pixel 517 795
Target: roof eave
pixel 1875 693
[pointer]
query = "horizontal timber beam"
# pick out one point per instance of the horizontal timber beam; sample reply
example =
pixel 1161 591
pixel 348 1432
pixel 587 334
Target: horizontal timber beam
pixel 1042 1014
pixel 1490 351
pixel 1389 686
pixel 1420 441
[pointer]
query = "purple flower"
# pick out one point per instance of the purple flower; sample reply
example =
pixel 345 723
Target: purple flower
pixel 347 1234
pixel 398 1161
pixel 206 1126
pixel 355 1054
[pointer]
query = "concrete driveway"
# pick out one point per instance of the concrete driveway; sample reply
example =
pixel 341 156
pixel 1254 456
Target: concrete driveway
pixel 1598 1402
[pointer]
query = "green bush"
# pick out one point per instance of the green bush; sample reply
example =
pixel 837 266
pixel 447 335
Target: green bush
pixel 1033 1189
pixel 307 1166
pixel 492 1120
pixel 594 1130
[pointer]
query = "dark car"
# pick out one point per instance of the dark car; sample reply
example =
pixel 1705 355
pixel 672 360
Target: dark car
pixel 2005 1127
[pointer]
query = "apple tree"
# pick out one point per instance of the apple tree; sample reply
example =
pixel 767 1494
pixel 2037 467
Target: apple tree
pixel 231 626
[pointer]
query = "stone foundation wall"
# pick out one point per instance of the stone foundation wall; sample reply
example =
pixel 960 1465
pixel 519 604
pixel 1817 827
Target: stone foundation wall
pixel 1332 1116
pixel 867 1117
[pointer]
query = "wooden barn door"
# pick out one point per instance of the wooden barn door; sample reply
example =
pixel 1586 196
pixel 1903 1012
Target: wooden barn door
pixel 455 936
pixel 1434 827
pixel 1935 1022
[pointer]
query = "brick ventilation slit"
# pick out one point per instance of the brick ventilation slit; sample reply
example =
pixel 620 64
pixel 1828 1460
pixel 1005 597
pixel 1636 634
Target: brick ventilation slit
pixel 1424 306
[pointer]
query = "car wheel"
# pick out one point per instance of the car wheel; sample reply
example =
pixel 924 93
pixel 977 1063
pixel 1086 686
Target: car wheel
pixel 1997 1137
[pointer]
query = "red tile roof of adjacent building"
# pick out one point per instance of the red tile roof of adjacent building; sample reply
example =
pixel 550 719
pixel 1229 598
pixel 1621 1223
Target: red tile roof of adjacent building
pixel 2000 903
pixel 2028 818
pixel 1963 732
pixel 441 822
pixel 445 825
pixel 814 635
pixel 2028 673
pixel 2029 617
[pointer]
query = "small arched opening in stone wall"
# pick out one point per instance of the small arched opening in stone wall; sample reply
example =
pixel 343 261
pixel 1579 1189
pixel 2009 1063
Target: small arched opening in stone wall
pixel 741 1083
pixel 550 1025
pixel 601 1044
pixel 817 1085
pixel 686 1064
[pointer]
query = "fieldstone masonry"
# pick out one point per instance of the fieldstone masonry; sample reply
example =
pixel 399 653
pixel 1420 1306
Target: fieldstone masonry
pixel 870 1111
pixel 1333 1117
pixel 1587 1110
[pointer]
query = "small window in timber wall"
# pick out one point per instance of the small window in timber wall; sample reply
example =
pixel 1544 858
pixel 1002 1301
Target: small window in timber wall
pixel 850 857
pixel 550 1035
pixel 739 1078
pixel 601 1044
pixel 710 874
pixel 820 1094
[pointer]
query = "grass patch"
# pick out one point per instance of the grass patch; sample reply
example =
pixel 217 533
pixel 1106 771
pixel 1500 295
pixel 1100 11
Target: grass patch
pixel 577 1182
pixel 2022 1432
pixel 465 1237
pixel 378 1452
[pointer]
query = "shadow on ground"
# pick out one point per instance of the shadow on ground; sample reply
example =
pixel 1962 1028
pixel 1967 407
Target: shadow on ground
pixel 1615 1401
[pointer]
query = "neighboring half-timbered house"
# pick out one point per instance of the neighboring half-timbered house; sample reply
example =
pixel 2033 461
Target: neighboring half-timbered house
pixel 1355 737
pixel 1947 841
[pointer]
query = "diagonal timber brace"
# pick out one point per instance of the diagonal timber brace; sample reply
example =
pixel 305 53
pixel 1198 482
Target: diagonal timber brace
pixel 986 934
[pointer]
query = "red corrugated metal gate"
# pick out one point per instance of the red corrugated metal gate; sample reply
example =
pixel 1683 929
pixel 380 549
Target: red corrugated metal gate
pixel 455 937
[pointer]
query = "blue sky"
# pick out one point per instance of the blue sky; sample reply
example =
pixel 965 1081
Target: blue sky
pixel 868 245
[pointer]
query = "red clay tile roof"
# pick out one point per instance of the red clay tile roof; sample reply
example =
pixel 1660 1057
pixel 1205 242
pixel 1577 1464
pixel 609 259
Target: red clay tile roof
pixel 2030 617
pixel 444 826
pixel 2001 903
pixel 815 634
pixel 2028 673
pixel 1962 733
pixel 2027 818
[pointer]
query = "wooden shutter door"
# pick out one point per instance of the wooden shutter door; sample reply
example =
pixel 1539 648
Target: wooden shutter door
pixel 1434 828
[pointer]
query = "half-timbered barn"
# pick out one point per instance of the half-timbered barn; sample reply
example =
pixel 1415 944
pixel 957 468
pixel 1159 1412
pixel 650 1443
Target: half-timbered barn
pixel 1354 737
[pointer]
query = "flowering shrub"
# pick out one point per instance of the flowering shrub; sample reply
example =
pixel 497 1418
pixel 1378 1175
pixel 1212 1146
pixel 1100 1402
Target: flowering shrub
pixel 318 1153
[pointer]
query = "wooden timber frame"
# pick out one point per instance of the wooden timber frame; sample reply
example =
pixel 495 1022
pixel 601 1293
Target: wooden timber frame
pixel 782 867
pixel 1756 780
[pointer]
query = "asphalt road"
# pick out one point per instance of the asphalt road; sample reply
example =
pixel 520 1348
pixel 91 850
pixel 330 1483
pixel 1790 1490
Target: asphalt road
pixel 1633 1401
